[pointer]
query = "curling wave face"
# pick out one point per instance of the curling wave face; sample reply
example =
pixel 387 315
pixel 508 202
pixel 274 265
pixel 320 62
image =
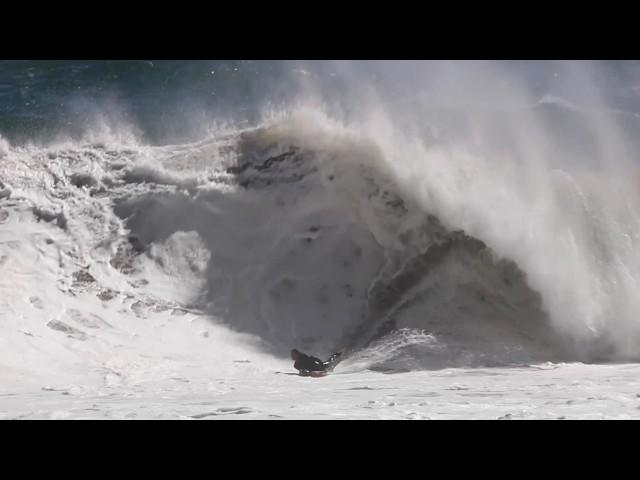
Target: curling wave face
pixel 314 245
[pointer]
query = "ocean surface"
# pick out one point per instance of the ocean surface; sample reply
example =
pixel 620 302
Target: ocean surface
pixel 166 223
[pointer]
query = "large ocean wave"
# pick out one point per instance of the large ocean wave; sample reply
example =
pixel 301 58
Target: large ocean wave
pixel 423 236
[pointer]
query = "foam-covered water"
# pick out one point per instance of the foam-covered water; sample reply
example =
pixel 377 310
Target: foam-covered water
pixel 470 220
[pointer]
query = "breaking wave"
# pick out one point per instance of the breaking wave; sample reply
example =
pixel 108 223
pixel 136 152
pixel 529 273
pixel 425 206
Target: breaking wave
pixel 406 247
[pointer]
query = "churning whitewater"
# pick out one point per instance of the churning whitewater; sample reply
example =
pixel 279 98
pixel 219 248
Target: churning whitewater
pixel 421 239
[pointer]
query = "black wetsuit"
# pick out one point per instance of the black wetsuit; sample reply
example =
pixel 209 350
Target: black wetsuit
pixel 313 364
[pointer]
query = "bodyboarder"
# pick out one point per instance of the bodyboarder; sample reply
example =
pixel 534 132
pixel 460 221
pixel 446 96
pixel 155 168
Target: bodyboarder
pixel 309 366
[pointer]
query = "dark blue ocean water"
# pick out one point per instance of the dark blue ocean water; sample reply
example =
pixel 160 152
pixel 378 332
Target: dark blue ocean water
pixel 172 100
pixel 163 99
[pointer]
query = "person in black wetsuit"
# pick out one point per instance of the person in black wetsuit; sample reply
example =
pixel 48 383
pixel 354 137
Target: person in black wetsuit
pixel 306 363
